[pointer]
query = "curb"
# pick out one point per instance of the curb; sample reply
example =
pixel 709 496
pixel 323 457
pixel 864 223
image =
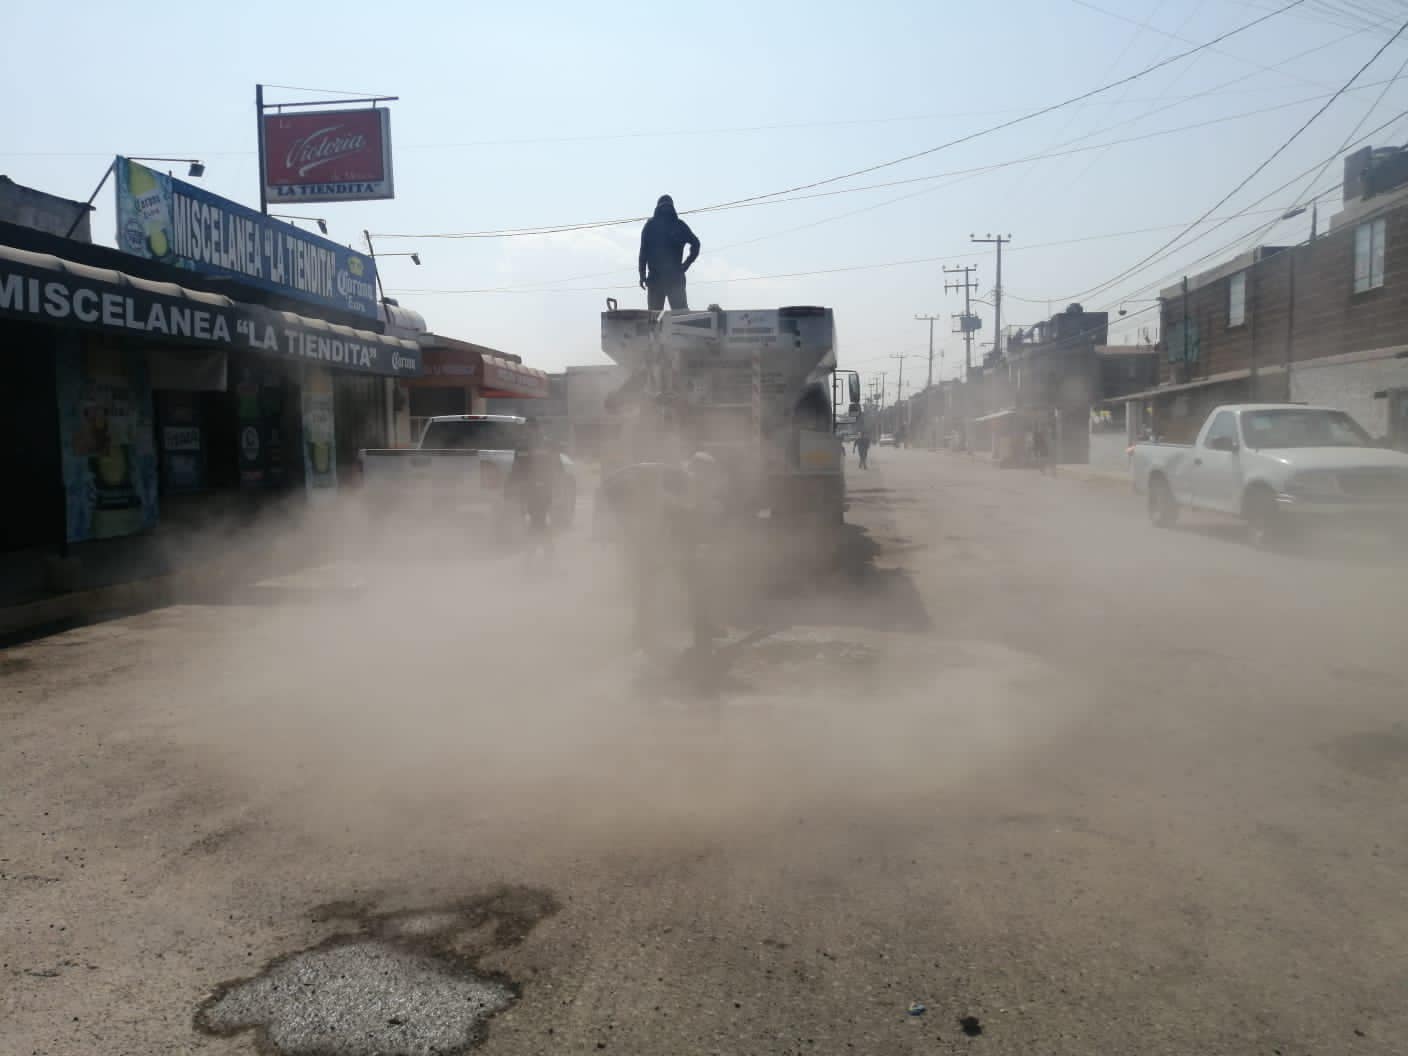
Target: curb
pixel 133 596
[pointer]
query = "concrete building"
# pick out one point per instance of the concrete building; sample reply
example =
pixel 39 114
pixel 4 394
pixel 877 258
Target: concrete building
pixel 26 207
pixel 1325 321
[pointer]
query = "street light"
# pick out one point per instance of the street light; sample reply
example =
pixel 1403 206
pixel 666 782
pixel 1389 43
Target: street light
pixel 322 224
pixel 1138 300
pixel 1299 210
pixel 371 252
pixel 196 169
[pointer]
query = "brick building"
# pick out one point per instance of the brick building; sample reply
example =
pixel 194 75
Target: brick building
pixel 1321 322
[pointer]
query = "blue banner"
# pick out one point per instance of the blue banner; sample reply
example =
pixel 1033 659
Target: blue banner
pixel 163 218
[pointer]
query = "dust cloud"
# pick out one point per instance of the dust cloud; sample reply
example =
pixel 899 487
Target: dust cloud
pixel 422 686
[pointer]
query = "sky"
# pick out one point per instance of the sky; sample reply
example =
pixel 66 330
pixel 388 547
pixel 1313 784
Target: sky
pixel 556 113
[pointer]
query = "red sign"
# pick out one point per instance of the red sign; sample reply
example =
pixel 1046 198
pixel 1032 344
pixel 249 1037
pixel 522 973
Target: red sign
pixel 327 155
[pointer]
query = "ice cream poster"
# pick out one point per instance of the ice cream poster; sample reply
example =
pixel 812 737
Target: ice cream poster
pixel 108 443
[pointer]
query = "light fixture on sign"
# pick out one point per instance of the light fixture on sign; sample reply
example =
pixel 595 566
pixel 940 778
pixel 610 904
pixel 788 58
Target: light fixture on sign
pixel 322 224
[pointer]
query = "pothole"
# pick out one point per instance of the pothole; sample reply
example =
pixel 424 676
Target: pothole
pixel 402 983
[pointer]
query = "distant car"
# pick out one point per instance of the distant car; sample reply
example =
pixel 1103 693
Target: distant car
pixel 888 440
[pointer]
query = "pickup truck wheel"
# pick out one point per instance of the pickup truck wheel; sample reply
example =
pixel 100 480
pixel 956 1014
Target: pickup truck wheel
pixel 1163 507
pixel 1266 525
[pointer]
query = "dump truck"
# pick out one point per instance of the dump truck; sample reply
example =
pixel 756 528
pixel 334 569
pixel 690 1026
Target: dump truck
pixel 757 389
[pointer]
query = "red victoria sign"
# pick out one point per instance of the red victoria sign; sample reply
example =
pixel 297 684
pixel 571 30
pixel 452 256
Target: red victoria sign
pixel 327 155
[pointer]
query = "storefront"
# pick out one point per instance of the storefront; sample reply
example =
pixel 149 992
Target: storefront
pixel 125 394
pixel 457 377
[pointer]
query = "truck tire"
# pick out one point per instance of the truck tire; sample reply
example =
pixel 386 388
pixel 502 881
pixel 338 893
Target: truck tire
pixel 1163 507
pixel 1266 524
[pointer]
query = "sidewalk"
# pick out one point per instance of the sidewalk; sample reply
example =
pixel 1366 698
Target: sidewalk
pixel 180 560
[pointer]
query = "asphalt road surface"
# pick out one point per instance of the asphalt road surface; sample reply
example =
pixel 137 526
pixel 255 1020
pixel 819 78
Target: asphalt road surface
pixel 1070 783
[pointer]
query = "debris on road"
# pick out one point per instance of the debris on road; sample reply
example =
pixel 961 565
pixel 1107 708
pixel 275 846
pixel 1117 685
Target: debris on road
pixel 972 1025
pixel 917 1008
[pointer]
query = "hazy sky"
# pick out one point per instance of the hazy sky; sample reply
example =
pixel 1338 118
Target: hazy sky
pixel 524 114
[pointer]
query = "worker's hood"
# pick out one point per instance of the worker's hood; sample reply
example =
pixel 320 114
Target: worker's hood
pixel 665 208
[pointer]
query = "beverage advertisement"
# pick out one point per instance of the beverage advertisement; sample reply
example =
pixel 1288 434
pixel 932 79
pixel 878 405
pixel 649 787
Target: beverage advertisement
pixel 319 438
pixel 259 396
pixel 106 433
pixel 182 443
pixel 162 218
pixel 327 155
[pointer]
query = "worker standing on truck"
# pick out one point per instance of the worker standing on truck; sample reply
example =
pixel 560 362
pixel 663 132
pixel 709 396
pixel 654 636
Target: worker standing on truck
pixel 662 240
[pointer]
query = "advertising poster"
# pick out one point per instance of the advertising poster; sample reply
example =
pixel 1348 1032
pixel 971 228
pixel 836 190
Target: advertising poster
pixel 109 450
pixel 327 155
pixel 182 443
pixel 260 395
pixel 166 219
pixel 319 438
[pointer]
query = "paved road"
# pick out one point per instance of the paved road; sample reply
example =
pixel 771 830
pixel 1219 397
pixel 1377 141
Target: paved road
pixel 1084 786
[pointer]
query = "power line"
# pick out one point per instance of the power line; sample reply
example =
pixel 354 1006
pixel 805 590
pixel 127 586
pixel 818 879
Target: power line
pixel 959 255
pixel 970 171
pixel 1220 222
pixel 960 174
pixel 1251 176
pixel 1218 51
pixel 1031 115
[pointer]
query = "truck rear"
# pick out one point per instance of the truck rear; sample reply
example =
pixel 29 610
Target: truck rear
pixel 756 389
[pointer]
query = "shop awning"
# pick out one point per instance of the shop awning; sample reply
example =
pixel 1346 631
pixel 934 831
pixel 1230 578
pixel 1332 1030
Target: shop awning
pixel 42 288
pixel 1187 386
pixel 450 363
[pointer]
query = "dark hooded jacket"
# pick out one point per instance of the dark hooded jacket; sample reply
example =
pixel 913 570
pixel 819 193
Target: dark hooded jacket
pixel 662 241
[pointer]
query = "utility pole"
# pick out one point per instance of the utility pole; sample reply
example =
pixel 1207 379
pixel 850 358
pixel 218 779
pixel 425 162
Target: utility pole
pixel 929 388
pixel 930 319
pixel 999 241
pixel 967 286
pixel 899 394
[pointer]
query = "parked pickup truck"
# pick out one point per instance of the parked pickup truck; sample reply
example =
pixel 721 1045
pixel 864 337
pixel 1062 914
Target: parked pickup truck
pixel 459 467
pixel 1274 465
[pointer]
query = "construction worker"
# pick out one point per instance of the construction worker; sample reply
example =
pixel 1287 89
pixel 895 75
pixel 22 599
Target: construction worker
pixel 662 240
pixel 533 483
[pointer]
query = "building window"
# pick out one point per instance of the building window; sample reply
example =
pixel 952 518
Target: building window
pixel 1369 255
pixel 1237 299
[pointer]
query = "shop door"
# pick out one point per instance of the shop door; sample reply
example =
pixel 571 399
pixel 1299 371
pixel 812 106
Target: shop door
pixel 29 440
pixel 359 416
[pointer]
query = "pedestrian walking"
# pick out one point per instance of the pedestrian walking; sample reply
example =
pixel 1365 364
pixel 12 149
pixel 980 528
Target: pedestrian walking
pixel 863 450
pixel 662 241
pixel 534 481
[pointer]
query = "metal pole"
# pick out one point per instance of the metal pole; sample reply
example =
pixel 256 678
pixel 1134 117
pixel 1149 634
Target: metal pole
pixel 259 110
pixel 998 241
pixel 371 252
pixel 967 333
pixel 997 305
pixel 88 205
pixel 1186 335
pixel 1290 323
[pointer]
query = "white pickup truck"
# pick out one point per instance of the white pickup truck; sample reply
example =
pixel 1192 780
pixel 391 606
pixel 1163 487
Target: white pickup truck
pixel 459 467
pixel 1275 465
